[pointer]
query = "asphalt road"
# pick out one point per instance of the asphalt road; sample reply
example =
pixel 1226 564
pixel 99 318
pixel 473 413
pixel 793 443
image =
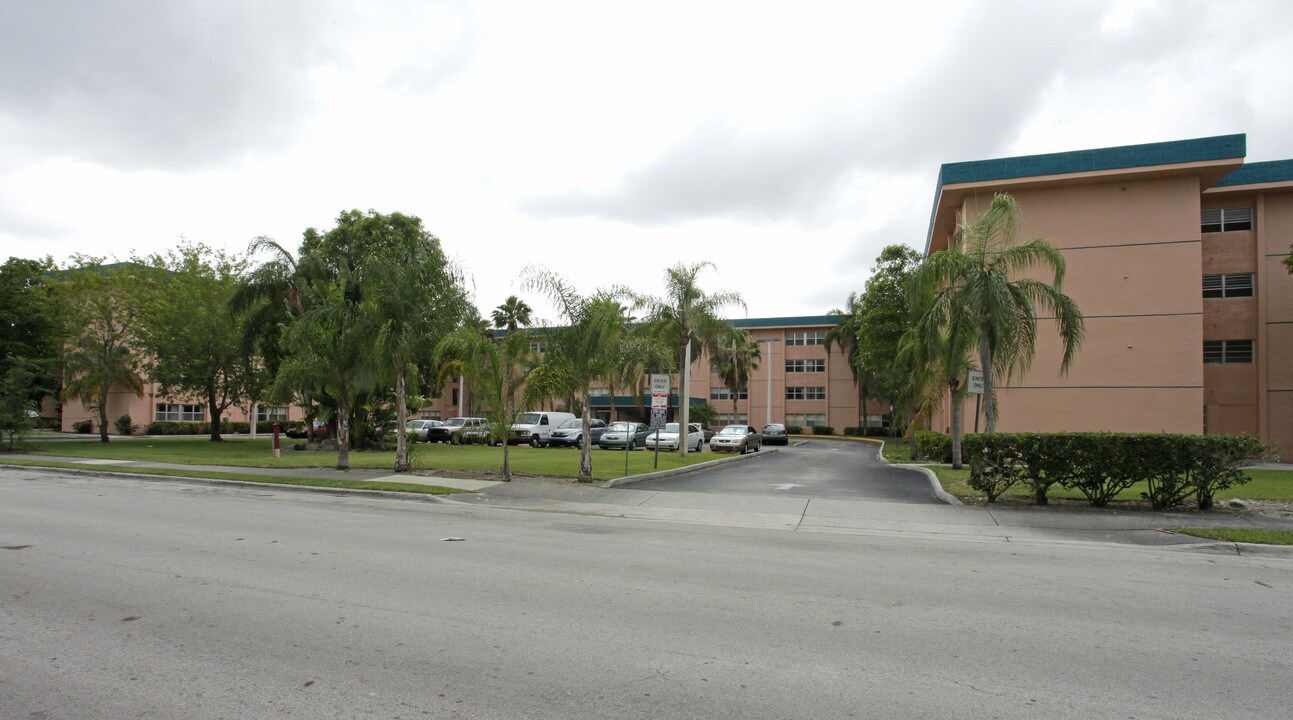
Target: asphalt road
pixel 155 599
pixel 818 468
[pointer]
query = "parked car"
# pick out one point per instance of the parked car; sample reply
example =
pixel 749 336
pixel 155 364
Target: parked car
pixel 421 427
pixel 709 434
pixel 445 433
pixel 536 427
pixel 742 438
pixel 571 432
pixel 667 438
pixel 481 434
pixel 775 434
pixel 615 436
pixel 299 432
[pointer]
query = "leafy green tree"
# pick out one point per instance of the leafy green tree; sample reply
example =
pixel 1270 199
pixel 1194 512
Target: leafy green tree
pixel 29 340
pixel 417 295
pixel 498 367
pixel 686 318
pixel 737 357
pixel 101 307
pixel 976 278
pixel 193 342
pixel 593 345
pixel 845 334
pixel 935 354
pixel 19 382
pixel 885 316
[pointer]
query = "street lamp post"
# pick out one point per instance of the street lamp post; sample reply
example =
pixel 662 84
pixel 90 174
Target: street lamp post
pixel 769 341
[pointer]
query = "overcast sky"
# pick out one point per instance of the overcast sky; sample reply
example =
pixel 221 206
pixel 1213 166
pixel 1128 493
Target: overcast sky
pixel 786 142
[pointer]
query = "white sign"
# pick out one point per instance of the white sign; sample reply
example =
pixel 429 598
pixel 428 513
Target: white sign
pixel 657 418
pixel 974 384
pixel 659 390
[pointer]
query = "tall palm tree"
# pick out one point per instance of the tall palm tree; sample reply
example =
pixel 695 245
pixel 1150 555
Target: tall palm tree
pixel 737 357
pixel 687 318
pixel 848 323
pixel 974 278
pixel 513 313
pixel 934 356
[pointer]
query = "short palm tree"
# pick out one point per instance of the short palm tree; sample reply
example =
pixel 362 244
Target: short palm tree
pixel 737 357
pixel 848 323
pixel 513 313
pixel 975 280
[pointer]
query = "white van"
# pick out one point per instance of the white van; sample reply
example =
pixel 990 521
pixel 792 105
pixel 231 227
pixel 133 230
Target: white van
pixel 536 427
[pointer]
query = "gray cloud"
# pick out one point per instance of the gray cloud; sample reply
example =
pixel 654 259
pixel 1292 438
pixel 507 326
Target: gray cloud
pixel 166 85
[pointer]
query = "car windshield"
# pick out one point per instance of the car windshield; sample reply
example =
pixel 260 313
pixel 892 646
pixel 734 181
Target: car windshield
pixel 571 424
pixel 456 422
pixel 671 427
pixel 772 428
pixel 732 430
pixel 527 418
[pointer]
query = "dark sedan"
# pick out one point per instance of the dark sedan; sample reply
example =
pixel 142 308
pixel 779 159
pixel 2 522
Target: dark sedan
pixel 775 434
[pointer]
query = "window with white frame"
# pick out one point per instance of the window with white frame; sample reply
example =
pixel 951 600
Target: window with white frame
pixel 809 365
pixel 175 412
pixel 730 419
pixel 805 393
pixel 724 393
pixel 429 414
pixel 271 414
pixel 811 337
pixel 537 346
pixel 1227 220
pixel 805 419
pixel 1227 352
pixel 1228 285
pixel 599 392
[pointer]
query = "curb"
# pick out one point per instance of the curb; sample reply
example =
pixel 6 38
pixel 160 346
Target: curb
pixel 617 482
pixel 216 482
pixel 939 492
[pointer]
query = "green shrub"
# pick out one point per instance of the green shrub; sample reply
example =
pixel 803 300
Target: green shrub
pixel 83 426
pixel 935 446
pixel 851 431
pixel 823 430
pixel 794 430
pixel 172 427
pixel 123 425
pixel 995 466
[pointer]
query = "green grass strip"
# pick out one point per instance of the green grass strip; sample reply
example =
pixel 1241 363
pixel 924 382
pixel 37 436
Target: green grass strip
pixel 1240 535
pixel 267 479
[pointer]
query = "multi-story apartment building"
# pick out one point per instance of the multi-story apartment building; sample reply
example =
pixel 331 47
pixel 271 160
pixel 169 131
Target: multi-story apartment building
pixel 1174 254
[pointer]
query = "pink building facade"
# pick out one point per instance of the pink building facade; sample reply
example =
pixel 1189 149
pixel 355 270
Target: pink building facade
pixel 1174 255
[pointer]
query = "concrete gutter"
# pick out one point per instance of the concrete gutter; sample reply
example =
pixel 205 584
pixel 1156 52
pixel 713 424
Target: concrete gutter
pixel 939 492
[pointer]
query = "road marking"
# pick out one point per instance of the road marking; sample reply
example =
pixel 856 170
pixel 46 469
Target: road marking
pixel 785 486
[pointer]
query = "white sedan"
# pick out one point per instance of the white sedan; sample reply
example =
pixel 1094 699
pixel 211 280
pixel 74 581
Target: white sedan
pixel 667 438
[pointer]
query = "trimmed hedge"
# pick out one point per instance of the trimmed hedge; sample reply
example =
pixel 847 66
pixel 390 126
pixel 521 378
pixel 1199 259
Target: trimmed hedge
pixel 823 430
pixel 171 427
pixel 935 446
pixel 794 430
pixel 1176 468
pixel 83 426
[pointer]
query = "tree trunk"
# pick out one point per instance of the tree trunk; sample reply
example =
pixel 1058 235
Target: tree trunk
pixel 956 424
pixel 401 423
pixel 911 432
pixel 103 411
pixel 343 432
pixel 214 411
pixel 989 395
pixel 684 404
pixel 507 467
pixel 586 445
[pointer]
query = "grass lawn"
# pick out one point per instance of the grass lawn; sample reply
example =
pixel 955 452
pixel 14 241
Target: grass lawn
pixel 270 479
pixel 1262 484
pixel 427 459
pixel 1243 535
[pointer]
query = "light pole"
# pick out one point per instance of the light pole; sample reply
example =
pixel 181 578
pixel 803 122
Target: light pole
pixel 769 341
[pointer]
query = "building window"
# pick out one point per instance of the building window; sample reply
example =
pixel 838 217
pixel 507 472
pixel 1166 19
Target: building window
pixel 805 419
pixel 536 346
pixel 799 366
pixel 172 412
pixel 454 401
pixel 429 414
pixel 723 393
pixel 271 414
pixel 1227 352
pixel 599 392
pixel 805 393
pixel 1227 220
pixel 730 419
pixel 1227 286
pixel 816 337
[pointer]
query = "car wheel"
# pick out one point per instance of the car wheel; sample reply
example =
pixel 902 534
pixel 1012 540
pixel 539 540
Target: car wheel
pixel 633 444
pixel 756 447
pixel 699 443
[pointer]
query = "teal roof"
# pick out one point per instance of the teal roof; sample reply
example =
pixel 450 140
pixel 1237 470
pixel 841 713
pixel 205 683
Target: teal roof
pixel 1220 147
pixel 1258 173
pixel 781 321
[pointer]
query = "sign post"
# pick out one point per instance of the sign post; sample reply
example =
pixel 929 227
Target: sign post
pixel 974 386
pixel 659 408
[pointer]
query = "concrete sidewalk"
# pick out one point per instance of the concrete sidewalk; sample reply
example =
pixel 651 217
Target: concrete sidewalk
pixel 998 524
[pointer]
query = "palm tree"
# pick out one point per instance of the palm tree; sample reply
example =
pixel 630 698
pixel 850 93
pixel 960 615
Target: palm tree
pixel 499 369
pixel 737 357
pixel 687 318
pixel 593 345
pixel 416 293
pixel 934 355
pixel 511 314
pixel 848 324
pixel 973 279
